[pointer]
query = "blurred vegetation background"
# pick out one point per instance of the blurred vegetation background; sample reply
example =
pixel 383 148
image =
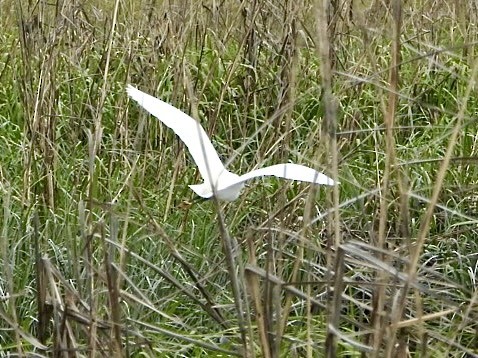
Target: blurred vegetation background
pixel 104 250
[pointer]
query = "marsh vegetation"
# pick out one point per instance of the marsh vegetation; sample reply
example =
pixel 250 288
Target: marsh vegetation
pixel 105 251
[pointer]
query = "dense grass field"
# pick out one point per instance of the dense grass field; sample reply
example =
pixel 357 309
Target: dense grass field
pixel 105 251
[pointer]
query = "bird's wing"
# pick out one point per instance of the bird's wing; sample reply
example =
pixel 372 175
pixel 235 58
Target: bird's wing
pixel 188 129
pixel 290 171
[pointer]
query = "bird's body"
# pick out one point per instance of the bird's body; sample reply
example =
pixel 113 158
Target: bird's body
pixel 218 180
pixel 228 188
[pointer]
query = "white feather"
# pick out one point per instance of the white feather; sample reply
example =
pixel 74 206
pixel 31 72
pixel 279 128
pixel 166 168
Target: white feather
pixel 217 179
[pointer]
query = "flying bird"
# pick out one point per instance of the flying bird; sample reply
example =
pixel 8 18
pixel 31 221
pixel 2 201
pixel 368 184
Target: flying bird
pixel 218 181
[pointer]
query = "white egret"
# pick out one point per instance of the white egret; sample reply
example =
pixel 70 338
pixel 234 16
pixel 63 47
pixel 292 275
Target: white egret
pixel 218 180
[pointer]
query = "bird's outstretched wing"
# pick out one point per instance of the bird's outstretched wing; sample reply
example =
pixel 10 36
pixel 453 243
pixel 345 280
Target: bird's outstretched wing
pixel 188 129
pixel 290 171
